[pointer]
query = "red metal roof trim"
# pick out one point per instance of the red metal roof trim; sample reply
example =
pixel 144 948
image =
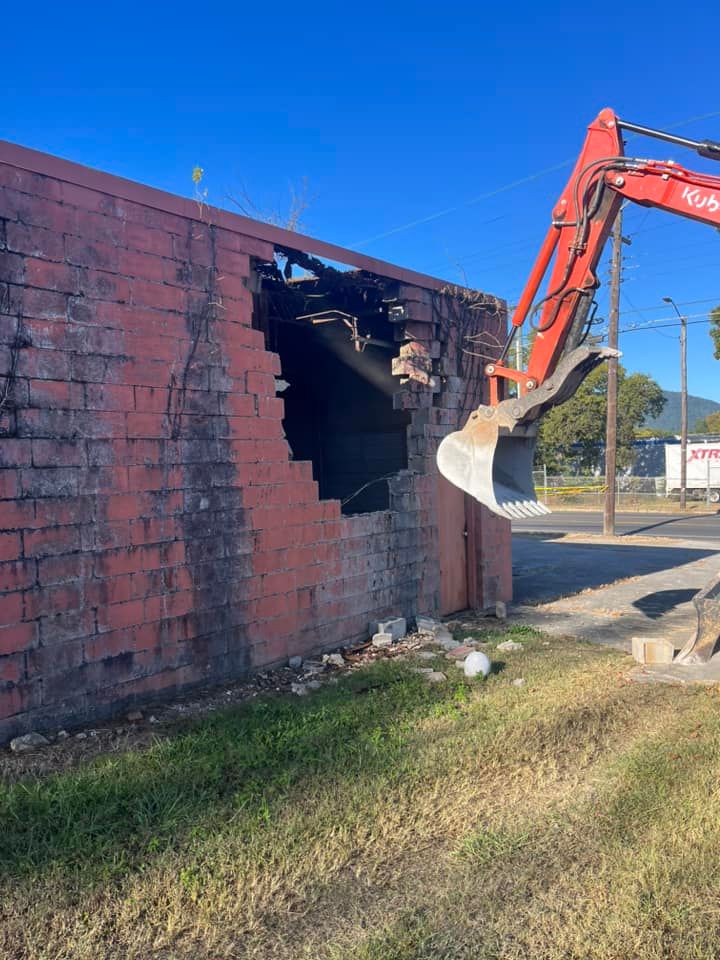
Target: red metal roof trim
pixel 48 165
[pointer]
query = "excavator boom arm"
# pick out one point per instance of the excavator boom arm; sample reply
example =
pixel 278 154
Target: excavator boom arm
pixel 491 457
pixel 582 221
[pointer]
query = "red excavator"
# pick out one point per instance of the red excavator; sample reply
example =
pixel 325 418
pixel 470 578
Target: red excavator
pixel 491 458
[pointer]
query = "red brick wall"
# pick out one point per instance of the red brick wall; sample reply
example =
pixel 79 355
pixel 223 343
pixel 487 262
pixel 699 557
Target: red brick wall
pixel 153 532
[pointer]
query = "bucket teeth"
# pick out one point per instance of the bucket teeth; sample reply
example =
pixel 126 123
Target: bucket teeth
pixel 491 458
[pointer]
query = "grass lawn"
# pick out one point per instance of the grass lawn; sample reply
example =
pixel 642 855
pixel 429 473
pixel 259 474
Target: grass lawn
pixel 385 818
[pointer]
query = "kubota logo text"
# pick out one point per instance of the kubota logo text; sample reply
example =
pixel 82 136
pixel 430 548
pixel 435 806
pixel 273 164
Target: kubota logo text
pixel 699 200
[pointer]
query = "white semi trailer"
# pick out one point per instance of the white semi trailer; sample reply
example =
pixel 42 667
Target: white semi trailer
pixel 703 470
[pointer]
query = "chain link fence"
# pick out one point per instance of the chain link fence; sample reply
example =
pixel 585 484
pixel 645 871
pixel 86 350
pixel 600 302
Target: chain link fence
pixel 631 493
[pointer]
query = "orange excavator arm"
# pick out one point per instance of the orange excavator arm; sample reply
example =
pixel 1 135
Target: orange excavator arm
pixel 491 457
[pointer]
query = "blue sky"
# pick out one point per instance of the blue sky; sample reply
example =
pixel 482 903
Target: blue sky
pixel 394 112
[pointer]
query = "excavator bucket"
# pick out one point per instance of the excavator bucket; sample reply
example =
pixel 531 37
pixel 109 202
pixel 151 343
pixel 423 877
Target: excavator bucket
pixel 702 644
pixel 491 458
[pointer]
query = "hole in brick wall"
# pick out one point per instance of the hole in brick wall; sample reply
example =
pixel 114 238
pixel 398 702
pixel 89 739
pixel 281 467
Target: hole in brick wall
pixel 339 399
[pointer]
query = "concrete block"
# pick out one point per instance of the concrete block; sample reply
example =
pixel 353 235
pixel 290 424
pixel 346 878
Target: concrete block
pixel 382 640
pixel 397 627
pixel 652 650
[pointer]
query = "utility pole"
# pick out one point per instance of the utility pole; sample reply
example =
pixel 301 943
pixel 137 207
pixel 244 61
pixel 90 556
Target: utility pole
pixel 611 429
pixel 683 403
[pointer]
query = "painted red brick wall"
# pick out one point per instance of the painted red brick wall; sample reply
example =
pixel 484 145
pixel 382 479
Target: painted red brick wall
pixel 153 532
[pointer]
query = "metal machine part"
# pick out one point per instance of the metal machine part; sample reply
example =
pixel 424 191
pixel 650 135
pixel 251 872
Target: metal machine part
pixel 491 457
pixel 701 646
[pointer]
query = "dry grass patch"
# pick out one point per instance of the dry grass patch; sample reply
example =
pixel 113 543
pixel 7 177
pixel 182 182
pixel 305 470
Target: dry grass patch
pixel 574 816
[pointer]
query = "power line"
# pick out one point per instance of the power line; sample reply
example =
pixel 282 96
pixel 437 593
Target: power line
pixel 466 203
pixel 657 326
pixel 681 303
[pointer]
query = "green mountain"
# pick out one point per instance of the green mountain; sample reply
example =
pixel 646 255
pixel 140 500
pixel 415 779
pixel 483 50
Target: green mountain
pixel 669 419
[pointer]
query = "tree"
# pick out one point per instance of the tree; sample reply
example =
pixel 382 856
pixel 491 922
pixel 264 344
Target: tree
pixel 710 424
pixel 572 435
pixel 715 331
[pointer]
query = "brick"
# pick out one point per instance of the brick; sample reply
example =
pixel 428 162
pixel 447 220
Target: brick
pixel 44 364
pixel 260 383
pixel 34 241
pixel 16 576
pixel 272 407
pixel 10 546
pixel 51 541
pixel 143 265
pixel 139 237
pixel 152 399
pixel 55 394
pixel 98 424
pixel 155 478
pixel 12 668
pixel 82 253
pixel 64 568
pixel 50 482
pixel 147 425
pixel 51 276
pixel 58 453
pixel 12 267
pixel 11 702
pixel 110 645
pixel 158 295
pixel 16 514
pixel 9 484
pixel 17 637
pixel 15 453
pixel 116 616
pixel 101 285
pixel 100 479
pixel 62 627
pixel 98 227
pixel 103 396
pixel 56 510
pixel 59 657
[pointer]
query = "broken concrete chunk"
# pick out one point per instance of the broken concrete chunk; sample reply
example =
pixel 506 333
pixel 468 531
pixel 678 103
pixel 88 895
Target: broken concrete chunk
pixel 299 689
pixel 311 667
pixel 448 643
pixel 295 662
pixel 476 664
pixel 501 610
pixel 518 682
pixel 652 650
pixel 427 655
pixel 510 646
pixel 426 624
pixel 334 659
pixel 29 741
pixel 459 653
pixel 397 628
pixel 432 676
pixel 81 736
pixel 382 640
pixel 62 735
pixel 135 716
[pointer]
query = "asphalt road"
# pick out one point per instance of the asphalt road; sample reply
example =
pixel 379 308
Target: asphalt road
pixel 680 526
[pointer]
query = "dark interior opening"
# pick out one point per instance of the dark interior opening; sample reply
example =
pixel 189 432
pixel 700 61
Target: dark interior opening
pixel 336 346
